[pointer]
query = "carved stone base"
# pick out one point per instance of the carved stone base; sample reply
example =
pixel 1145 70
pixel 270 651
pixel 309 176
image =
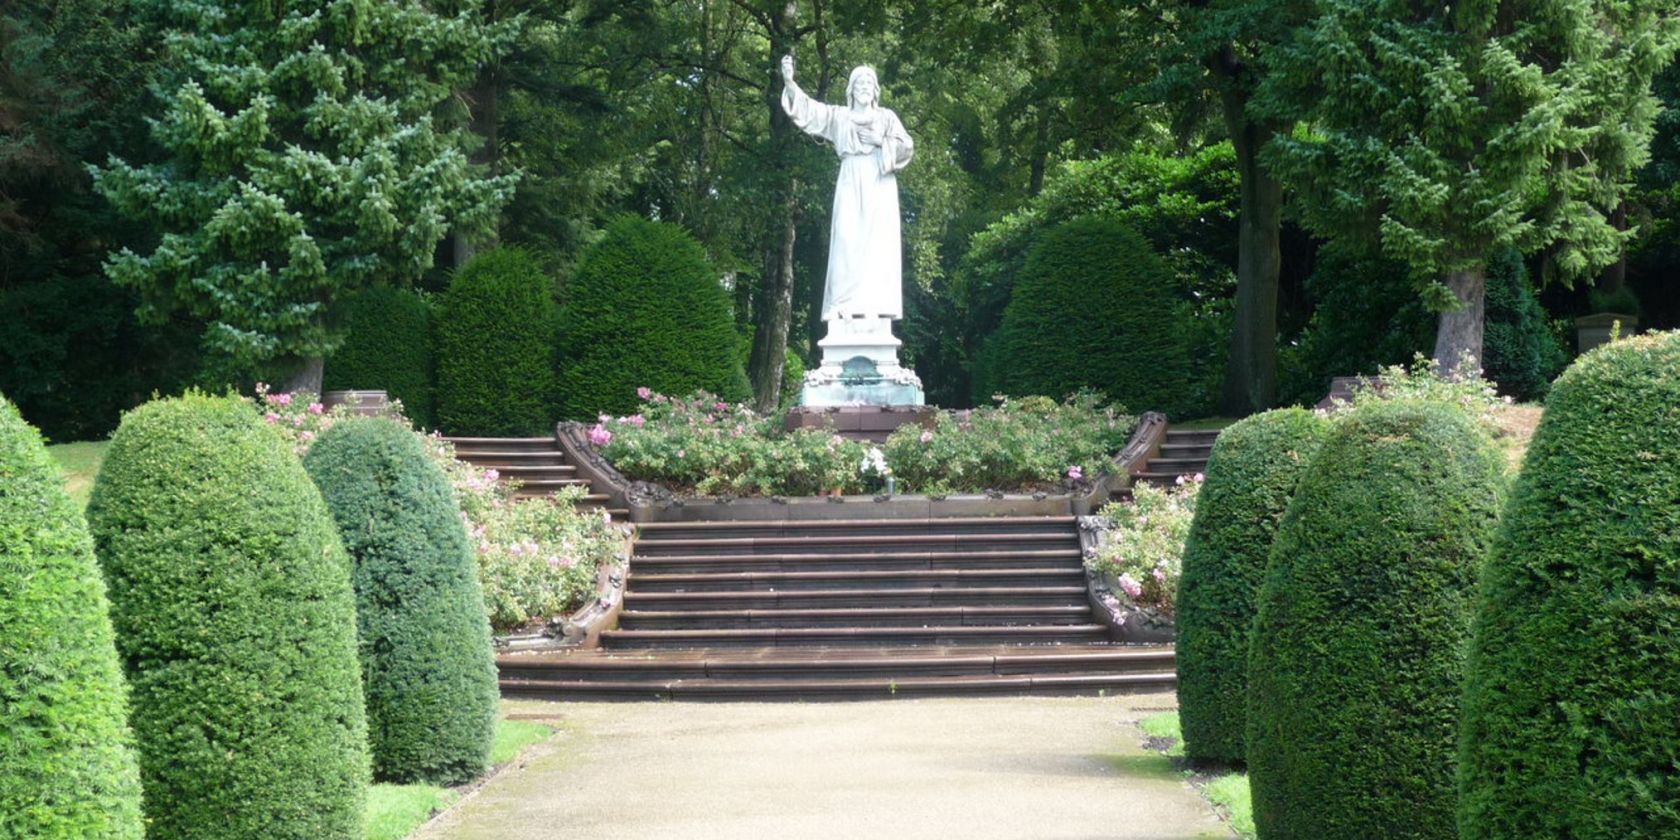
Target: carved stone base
pixel 860 367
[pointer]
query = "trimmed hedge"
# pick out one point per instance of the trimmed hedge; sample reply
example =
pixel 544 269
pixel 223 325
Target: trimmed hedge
pixel 1095 309
pixel 68 769
pixel 427 664
pixel 389 348
pixel 495 347
pixel 1572 706
pixel 1520 354
pixel 1250 479
pixel 645 309
pixel 230 594
pixel 1364 618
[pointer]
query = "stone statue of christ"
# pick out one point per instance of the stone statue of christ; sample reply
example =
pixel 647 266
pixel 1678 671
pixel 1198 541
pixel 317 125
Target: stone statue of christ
pixel 865 275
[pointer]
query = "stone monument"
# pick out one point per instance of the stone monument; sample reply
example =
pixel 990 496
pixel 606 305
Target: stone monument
pixel 863 293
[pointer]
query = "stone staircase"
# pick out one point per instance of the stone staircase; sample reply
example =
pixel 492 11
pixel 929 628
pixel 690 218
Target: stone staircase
pixel 849 609
pixel 1183 453
pixel 536 463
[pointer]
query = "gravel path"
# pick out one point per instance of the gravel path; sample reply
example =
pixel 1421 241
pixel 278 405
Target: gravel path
pixel 1052 768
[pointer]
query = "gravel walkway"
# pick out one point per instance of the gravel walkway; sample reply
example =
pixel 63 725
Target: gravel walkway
pixel 1053 768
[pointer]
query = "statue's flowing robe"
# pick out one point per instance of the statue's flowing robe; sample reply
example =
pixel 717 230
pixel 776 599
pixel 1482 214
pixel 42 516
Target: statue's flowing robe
pixel 865 274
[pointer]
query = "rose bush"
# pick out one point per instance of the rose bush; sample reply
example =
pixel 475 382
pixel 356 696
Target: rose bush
pixel 1026 444
pixel 1143 544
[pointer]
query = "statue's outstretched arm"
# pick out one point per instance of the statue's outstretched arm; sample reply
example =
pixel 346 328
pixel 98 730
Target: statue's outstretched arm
pixel 811 116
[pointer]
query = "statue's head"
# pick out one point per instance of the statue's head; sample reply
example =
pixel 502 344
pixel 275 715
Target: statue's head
pixel 863 88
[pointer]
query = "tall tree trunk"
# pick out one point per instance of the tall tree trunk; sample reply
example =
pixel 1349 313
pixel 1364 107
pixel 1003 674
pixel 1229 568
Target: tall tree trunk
pixel 307 377
pixel 773 314
pixel 1251 369
pixel 1041 151
pixel 1458 338
pixel 1614 278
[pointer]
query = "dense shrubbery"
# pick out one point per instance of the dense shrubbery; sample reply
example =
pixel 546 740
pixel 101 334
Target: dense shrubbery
pixel 1520 353
pixel 427 668
pixel 68 769
pixel 388 347
pixel 1143 544
pixel 1570 727
pixel 710 446
pixel 1359 642
pixel 1251 477
pixel 537 558
pixel 1023 444
pixel 495 347
pixel 235 619
pixel 645 309
pixel 1095 308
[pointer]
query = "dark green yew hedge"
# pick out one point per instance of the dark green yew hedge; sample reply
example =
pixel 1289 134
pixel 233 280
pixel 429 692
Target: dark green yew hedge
pixel 645 308
pixel 1357 659
pixel 67 764
pixel 1250 479
pixel 235 620
pixel 495 347
pixel 388 348
pixel 425 642
pixel 1572 706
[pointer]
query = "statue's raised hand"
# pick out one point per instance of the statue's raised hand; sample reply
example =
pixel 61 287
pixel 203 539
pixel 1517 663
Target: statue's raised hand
pixel 787 69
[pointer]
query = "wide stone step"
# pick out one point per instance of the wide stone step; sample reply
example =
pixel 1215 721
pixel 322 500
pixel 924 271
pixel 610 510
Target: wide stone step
pixel 1021 596
pixel 516 461
pixel 1204 437
pixel 1182 466
pixel 1027 541
pixel 913 579
pixel 1186 450
pixel 835 663
pixel 854 636
pixel 500 444
pixel 1059 559
pixel 847 528
pixel 810 690
pixel 991 616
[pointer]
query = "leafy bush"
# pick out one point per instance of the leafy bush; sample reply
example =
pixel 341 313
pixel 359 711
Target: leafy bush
pixel 1574 677
pixel 1143 543
pixel 1359 642
pixel 427 667
pixel 645 309
pixel 710 446
pixel 235 620
pixel 495 347
pixel 1250 479
pixel 68 770
pixel 388 346
pixel 1095 309
pixel 1023 444
pixel 1520 353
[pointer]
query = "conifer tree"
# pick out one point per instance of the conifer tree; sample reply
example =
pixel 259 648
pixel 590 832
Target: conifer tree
pixel 307 152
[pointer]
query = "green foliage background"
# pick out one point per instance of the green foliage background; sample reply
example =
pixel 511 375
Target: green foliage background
pixel 1576 659
pixel 235 621
pixel 495 347
pixel 387 346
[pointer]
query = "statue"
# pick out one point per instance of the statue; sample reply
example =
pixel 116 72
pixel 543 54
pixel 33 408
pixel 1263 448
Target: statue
pixel 863 293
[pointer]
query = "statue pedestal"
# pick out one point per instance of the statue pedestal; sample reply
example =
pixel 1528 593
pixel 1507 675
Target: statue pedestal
pixel 860 367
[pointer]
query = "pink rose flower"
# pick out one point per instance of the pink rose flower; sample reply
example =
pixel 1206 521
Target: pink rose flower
pixel 644 392
pixel 927 436
pixel 280 399
pixel 720 406
pixel 271 417
pixel 317 408
pixel 1075 472
pixel 599 436
pixel 1130 585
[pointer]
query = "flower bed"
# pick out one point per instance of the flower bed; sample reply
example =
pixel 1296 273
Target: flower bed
pixel 1142 546
pixel 704 446
pixel 537 558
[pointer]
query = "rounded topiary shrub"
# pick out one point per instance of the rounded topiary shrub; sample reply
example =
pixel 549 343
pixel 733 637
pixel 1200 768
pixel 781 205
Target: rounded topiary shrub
pixel 230 594
pixel 644 309
pixel 1359 642
pixel 1572 706
pixel 495 347
pixel 1520 354
pixel 1251 476
pixel 67 770
pixel 425 642
pixel 388 348
pixel 1095 308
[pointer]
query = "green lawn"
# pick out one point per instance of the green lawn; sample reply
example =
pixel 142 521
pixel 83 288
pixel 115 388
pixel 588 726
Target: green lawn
pixel 395 811
pixel 80 463
pixel 1228 792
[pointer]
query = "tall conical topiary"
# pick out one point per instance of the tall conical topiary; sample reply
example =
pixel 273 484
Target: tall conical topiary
pixel 67 770
pixel 425 642
pixel 388 348
pixel 230 594
pixel 1572 705
pixel 645 309
pixel 1251 477
pixel 495 347
pixel 1358 647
